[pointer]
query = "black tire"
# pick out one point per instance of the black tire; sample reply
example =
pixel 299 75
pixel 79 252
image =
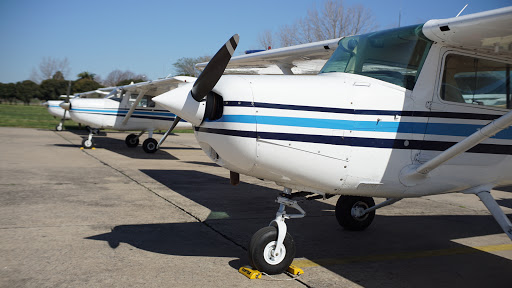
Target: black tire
pixel 344 212
pixel 149 145
pixel 59 127
pixel 261 246
pixel 132 140
pixel 87 144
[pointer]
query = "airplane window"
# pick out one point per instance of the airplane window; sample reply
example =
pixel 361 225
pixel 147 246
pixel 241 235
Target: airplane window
pixel 476 81
pixel 395 56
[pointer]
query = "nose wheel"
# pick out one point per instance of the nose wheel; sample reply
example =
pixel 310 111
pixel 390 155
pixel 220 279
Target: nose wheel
pixel 87 143
pixel 272 248
pixel 264 254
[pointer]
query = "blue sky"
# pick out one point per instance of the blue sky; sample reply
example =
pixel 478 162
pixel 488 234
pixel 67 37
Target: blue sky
pixel 147 37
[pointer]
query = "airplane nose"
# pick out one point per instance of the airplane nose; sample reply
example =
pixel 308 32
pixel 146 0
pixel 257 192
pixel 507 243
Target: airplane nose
pixel 181 102
pixel 65 105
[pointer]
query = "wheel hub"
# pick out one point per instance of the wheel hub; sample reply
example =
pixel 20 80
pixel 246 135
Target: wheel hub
pixel 273 256
pixel 358 210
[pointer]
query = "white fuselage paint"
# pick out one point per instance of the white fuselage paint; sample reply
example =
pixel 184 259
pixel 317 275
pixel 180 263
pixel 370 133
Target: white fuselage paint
pixel 349 134
pixel 55 110
pixel 109 114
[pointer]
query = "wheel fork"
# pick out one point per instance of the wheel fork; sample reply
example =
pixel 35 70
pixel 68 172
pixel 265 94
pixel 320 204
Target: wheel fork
pixel 281 216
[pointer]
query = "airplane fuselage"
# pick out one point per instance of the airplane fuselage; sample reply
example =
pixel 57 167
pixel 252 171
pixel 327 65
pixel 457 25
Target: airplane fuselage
pixel 109 114
pixel 321 149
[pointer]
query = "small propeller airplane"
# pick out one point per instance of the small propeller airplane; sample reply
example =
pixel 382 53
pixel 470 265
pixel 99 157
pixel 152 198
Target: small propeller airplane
pixel 128 108
pixel 406 112
pixel 58 112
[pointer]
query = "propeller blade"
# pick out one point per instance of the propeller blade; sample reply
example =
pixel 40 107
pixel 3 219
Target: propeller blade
pixel 214 70
pixel 69 91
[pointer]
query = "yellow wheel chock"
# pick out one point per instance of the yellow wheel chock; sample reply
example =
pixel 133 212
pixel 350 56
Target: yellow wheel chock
pixel 255 274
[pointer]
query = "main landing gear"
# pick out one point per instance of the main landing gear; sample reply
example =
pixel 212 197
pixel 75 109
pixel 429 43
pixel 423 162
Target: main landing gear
pixel 272 248
pixel 149 145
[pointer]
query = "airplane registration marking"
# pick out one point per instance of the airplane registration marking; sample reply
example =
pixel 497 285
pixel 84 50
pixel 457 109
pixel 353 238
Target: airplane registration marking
pixel 303 263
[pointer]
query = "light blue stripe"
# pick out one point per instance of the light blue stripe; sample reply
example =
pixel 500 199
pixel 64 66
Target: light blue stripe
pixel 447 129
pixel 120 112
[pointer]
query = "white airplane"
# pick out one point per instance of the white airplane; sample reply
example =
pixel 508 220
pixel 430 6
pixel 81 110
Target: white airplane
pixel 127 108
pixel 406 112
pixel 58 112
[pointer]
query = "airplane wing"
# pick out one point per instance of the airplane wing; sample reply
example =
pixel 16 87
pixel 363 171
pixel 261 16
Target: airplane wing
pixel 300 59
pixel 488 32
pixel 98 93
pixel 152 88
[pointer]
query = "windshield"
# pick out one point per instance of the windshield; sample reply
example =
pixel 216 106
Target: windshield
pixel 394 55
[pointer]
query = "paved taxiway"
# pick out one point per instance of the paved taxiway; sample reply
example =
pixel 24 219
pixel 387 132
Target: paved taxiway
pixel 118 217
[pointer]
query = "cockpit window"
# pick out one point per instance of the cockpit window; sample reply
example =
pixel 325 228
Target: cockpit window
pixel 395 56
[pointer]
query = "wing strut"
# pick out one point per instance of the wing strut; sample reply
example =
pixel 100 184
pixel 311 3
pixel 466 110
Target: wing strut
pixel 413 174
pixel 134 105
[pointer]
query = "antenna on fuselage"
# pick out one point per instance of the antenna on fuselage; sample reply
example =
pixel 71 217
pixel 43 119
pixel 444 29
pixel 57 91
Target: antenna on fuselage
pixel 461 10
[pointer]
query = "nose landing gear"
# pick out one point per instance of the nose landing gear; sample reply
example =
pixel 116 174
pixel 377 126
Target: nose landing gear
pixel 272 248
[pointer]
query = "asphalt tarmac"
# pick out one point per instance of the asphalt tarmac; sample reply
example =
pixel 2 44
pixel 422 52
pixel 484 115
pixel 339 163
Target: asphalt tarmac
pixel 118 217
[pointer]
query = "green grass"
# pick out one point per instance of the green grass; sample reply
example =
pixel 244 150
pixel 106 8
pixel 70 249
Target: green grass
pixel 37 116
pixel 32 116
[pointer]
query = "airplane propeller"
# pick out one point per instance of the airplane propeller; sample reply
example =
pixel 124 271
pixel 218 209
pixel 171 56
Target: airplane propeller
pixel 66 105
pixel 214 70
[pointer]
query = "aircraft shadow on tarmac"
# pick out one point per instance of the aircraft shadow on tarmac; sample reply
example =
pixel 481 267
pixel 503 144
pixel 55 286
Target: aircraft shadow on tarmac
pixel 118 146
pixel 238 212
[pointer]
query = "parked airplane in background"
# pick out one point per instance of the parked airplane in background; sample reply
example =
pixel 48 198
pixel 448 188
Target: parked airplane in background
pixel 127 108
pixel 58 112
pixel 406 112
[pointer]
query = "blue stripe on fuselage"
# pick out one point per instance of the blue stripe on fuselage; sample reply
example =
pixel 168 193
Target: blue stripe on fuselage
pixel 446 129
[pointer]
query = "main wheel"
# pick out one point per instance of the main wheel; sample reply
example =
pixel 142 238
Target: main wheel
pixel 58 127
pixel 149 145
pixel 262 254
pixel 86 143
pixel 132 140
pixel 348 206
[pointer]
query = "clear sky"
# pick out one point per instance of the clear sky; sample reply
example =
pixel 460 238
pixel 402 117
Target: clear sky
pixel 147 37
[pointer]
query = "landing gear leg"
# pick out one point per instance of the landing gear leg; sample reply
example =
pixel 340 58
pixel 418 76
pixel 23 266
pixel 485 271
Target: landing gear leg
pixel 272 248
pixel 174 123
pixel 496 211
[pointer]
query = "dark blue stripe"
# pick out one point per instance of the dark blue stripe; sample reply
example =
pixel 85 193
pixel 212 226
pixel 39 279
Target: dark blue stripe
pixel 360 142
pixel 450 115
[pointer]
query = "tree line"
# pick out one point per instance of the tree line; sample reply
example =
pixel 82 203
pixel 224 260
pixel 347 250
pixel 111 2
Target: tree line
pixel 49 82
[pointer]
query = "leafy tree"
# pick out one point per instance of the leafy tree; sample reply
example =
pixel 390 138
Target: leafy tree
pixel 58 76
pixel 186 66
pixel 26 91
pixel 8 92
pixel 52 88
pixel 86 75
pixel 84 85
